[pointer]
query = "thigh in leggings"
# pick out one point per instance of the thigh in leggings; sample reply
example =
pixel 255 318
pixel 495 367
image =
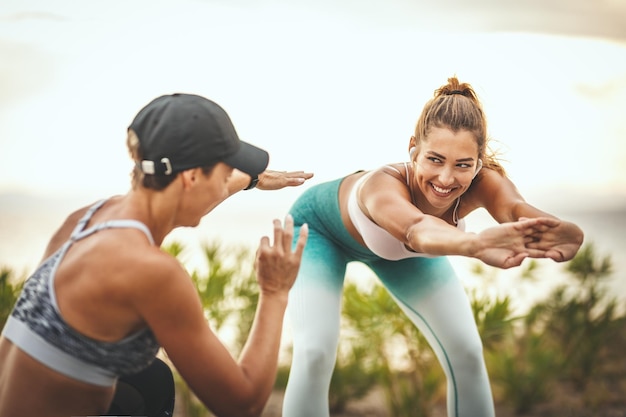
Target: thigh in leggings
pixel 314 313
pixel 431 295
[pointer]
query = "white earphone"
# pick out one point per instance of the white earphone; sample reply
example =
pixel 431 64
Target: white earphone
pixel 479 166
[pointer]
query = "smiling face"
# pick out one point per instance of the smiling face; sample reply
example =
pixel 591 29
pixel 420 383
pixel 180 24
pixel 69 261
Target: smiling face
pixel 444 166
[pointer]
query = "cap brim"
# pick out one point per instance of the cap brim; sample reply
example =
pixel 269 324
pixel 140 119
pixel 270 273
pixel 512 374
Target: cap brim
pixel 249 159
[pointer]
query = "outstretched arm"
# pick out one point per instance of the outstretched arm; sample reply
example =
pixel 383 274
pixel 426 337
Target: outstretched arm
pixel 386 200
pixel 559 239
pixel 268 180
pixel 503 246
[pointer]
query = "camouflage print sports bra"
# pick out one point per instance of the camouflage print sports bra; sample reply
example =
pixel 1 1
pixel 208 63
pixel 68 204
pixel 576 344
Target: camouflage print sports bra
pixel 37 327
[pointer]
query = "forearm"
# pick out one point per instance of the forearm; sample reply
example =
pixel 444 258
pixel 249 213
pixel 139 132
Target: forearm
pixel 523 209
pixel 237 181
pixel 433 236
pixel 259 358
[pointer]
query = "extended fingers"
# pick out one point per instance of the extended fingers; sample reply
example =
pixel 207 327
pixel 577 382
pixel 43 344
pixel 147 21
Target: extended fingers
pixel 283 236
pixel 295 178
pixel 278 233
pixel 302 238
pixel 263 245
pixel 525 225
pixel 274 180
pixel 289 234
pixel 529 229
pixel 299 174
pixel 287 237
pixel 535 228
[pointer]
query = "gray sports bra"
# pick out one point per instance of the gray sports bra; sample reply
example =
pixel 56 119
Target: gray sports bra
pixel 377 239
pixel 37 327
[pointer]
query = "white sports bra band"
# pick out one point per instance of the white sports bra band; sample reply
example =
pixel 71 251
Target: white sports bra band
pixel 35 346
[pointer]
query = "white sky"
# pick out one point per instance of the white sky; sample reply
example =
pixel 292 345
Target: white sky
pixel 326 86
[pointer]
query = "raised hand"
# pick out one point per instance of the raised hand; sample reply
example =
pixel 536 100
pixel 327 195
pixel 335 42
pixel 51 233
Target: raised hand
pixel 277 265
pixel 275 180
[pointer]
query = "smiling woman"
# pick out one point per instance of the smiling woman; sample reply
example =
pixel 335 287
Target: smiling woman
pixel 402 220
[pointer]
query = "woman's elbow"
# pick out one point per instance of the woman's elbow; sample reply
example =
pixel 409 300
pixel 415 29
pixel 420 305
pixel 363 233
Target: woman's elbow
pixel 243 406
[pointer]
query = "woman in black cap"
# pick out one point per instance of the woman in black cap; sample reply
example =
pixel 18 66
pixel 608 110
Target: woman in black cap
pixel 105 298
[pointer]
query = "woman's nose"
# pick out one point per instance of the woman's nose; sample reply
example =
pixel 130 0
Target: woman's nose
pixel 446 176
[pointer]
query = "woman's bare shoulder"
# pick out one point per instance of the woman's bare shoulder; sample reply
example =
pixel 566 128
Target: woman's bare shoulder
pixel 389 174
pixel 63 233
pixel 489 190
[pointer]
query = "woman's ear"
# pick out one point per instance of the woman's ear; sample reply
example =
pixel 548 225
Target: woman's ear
pixel 412 147
pixel 189 177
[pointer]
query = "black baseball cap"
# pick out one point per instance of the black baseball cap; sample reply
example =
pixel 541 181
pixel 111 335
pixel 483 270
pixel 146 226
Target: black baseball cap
pixel 183 131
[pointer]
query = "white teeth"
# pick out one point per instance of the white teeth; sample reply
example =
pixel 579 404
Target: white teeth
pixel 442 190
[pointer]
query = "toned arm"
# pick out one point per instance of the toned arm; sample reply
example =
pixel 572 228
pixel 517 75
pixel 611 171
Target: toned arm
pixel 268 180
pixel 172 309
pixel 387 201
pixel 557 238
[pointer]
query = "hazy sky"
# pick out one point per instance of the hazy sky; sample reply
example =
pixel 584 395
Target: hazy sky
pixel 329 86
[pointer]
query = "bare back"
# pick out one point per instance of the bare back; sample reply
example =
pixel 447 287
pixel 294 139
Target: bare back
pixel 87 283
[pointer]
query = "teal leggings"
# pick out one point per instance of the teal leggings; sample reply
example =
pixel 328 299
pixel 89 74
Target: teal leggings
pixel 426 289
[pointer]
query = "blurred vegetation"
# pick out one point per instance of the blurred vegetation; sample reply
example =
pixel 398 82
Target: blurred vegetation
pixel 10 288
pixel 563 356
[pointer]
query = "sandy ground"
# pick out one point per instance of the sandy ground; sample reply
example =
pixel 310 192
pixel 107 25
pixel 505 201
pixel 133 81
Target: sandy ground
pixel 372 405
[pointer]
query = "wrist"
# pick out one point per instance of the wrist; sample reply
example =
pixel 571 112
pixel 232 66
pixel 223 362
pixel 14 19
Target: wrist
pixel 276 298
pixel 253 182
pixel 473 246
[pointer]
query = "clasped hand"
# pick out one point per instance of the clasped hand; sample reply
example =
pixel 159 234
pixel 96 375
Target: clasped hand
pixel 508 244
pixel 558 240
